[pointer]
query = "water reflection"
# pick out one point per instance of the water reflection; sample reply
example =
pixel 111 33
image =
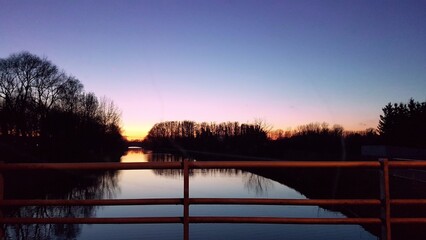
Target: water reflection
pixel 69 185
pixel 252 182
pixel 258 184
pixel 228 183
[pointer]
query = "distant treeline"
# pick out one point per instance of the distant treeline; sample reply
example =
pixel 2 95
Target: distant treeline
pixel 314 141
pixel 230 137
pixel 47 112
pixel 319 141
pixel 400 125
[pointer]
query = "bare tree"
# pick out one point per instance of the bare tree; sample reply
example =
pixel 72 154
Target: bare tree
pixel 70 92
pixel 108 114
pixel 39 100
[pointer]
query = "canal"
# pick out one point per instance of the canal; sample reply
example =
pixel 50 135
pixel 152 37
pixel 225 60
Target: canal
pixel 128 184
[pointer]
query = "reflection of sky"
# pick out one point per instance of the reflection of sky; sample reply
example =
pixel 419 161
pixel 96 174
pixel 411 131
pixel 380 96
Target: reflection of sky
pixel 203 183
pixel 287 62
pixel 146 184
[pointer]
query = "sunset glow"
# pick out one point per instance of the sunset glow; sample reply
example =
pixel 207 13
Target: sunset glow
pixel 287 63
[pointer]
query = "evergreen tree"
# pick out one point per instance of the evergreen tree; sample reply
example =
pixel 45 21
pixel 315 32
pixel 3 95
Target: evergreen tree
pixel 404 124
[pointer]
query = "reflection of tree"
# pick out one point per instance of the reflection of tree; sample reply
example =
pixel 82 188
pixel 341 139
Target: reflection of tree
pixel 256 183
pixel 64 185
pixel 47 231
pixel 260 185
pixel 167 157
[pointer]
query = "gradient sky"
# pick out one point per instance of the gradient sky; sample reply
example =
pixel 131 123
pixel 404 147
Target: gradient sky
pixel 285 62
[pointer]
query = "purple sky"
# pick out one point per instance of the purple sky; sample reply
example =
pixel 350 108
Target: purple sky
pixel 285 62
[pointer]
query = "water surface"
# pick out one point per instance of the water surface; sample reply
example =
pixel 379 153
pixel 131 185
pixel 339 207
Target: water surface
pixel 128 184
pixel 210 183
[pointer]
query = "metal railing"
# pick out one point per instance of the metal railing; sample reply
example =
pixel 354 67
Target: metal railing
pixel 385 221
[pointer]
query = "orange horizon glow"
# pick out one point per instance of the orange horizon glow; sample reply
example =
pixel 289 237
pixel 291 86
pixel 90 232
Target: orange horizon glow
pixel 135 132
pixel 275 116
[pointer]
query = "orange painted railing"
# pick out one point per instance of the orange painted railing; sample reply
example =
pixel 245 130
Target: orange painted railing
pixel 385 221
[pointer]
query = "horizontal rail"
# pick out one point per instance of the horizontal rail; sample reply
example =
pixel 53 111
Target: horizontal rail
pixel 121 220
pixel 407 201
pixel 408 220
pixel 200 219
pixel 193 201
pixel 178 165
pixel 276 220
pixel 407 164
pixel 282 164
pixel 90 166
pixel 90 202
pixel 205 165
pixel 385 202
pixel 303 202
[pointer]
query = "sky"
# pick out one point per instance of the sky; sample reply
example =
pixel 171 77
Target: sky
pixel 287 63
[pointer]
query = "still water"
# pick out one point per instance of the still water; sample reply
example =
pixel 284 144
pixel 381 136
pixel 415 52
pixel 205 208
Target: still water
pixel 169 184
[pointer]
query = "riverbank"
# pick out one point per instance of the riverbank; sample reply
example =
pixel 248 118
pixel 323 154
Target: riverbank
pixel 28 150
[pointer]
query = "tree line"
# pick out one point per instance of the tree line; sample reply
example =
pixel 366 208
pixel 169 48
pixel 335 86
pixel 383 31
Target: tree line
pixel 230 137
pixel 320 141
pixel 311 141
pixel 401 124
pixel 47 111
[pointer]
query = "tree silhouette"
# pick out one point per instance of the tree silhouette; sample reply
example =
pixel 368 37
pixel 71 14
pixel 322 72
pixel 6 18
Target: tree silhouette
pixel 226 137
pixel 47 111
pixel 313 141
pixel 403 124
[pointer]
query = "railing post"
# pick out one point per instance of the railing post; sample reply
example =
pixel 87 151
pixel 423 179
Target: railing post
pixel 385 199
pixel 185 199
pixel 2 233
